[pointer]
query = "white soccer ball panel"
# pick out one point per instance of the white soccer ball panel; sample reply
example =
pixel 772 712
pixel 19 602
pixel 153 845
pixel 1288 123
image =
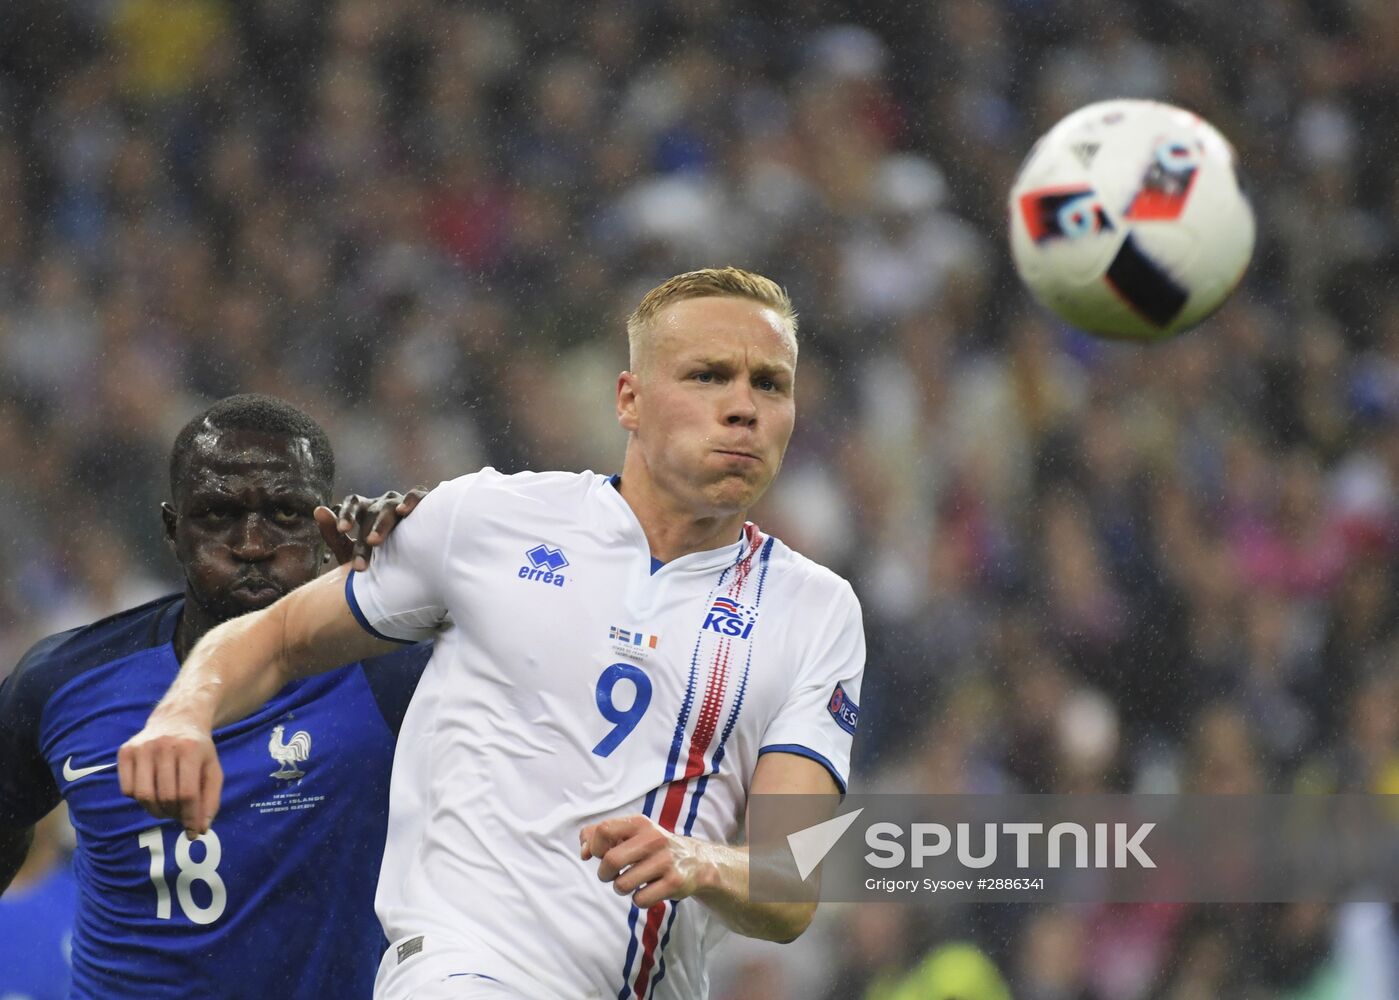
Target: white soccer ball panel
pixel 1127 219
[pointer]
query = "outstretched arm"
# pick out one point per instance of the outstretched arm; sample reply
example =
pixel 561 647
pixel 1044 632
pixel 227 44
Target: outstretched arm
pixel 170 767
pixel 650 864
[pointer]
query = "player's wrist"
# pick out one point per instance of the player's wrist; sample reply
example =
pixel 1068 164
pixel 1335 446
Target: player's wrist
pixel 185 714
pixel 706 874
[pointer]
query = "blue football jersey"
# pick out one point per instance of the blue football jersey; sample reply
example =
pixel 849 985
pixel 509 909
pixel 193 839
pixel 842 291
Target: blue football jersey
pixel 277 900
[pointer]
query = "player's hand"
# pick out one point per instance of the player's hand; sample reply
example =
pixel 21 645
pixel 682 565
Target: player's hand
pixel 353 527
pixel 642 860
pixel 172 769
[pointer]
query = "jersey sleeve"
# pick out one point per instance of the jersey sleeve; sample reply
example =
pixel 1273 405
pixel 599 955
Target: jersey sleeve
pixel 27 788
pixel 819 717
pixel 401 597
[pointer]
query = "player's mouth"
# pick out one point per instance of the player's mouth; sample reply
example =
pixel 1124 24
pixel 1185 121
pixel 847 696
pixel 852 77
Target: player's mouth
pixel 743 456
pixel 257 591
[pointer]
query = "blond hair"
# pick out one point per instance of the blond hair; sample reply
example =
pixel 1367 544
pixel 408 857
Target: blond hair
pixel 709 281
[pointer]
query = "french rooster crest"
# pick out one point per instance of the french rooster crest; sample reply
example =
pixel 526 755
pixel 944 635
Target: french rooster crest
pixel 290 753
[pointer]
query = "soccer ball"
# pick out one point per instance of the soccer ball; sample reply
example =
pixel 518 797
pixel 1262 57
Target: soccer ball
pixel 1127 220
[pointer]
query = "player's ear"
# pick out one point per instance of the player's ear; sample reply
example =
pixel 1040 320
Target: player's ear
pixel 626 401
pixel 169 518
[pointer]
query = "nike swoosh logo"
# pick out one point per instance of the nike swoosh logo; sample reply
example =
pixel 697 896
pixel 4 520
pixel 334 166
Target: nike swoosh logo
pixel 71 773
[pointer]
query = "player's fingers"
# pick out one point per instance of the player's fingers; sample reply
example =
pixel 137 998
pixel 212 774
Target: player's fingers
pixel 187 777
pixel 350 509
pixel 644 872
pixel 210 787
pixel 595 846
pixel 143 779
pixel 328 524
pixel 195 807
pixel 409 502
pixel 598 837
pixel 358 512
pixel 629 852
pixel 351 529
pixel 606 872
pixel 619 828
pixel 657 891
pixel 189 819
pixel 189 805
pixel 364 522
pixel 167 790
pixel 382 524
pixel 126 770
pixel 603 837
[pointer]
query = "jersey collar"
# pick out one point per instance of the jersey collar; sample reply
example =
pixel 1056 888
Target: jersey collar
pixel 699 562
pixel 167 621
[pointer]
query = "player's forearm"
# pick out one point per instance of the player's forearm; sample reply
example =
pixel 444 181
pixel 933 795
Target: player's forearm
pixel 235 668
pixel 14 848
pixel 723 887
pixel 242 663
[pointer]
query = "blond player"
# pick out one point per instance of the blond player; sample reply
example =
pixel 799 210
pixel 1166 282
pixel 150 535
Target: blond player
pixel 619 663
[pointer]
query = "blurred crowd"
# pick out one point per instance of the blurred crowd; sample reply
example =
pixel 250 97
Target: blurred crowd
pixel 1084 566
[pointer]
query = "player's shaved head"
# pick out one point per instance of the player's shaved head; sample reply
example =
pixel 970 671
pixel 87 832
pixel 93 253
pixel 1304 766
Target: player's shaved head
pixel 704 283
pixel 262 414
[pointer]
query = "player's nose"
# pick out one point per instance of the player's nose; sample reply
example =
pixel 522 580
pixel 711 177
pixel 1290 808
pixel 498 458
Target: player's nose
pixel 251 540
pixel 740 406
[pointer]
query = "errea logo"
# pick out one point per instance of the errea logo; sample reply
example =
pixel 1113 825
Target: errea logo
pixel 545 563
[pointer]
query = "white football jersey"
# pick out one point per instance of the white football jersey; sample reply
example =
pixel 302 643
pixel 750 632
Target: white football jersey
pixel 571 683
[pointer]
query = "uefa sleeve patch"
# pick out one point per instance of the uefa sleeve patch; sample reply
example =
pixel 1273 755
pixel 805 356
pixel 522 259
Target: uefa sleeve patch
pixel 843 710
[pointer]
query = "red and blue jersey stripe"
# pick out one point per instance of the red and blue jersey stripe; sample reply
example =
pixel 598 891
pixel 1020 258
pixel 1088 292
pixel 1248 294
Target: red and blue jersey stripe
pixel 646 947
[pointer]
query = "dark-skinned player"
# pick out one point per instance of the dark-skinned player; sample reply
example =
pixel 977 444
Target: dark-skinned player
pixel 277 899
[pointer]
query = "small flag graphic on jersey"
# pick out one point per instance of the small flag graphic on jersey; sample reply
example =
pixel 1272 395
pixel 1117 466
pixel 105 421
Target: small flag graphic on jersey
pixel 632 638
pixel 728 617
